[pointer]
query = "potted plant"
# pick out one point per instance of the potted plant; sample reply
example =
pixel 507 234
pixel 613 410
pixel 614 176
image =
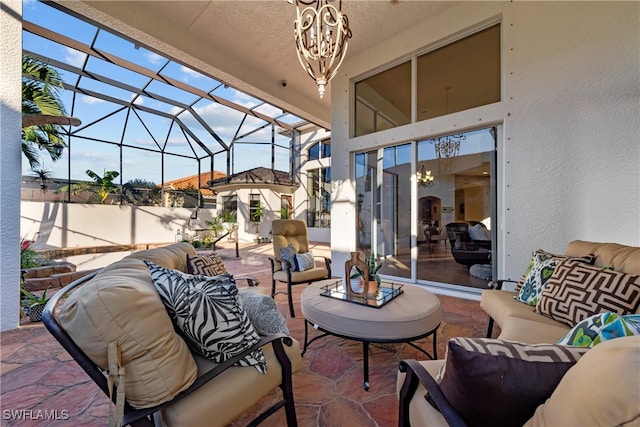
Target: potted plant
pixel 256 217
pixel 372 267
pixel 33 304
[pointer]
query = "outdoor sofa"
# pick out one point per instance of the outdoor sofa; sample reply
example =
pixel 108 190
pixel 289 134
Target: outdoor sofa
pixel 584 384
pixel 117 327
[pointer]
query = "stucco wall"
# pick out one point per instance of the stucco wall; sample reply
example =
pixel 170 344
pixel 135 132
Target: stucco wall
pixel 10 113
pixel 568 149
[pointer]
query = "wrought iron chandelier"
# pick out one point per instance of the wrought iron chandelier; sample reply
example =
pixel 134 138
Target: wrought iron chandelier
pixel 448 147
pixel 322 37
pixel 424 177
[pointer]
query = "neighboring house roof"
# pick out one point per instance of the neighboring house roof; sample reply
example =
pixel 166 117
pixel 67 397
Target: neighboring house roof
pixel 192 182
pixel 256 177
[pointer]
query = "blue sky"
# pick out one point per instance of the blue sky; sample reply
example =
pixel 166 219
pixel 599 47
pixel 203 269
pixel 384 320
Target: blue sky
pixel 145 130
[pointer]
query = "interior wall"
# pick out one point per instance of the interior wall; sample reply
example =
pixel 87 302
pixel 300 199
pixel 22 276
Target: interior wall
pixel 10 158
pixel 568 155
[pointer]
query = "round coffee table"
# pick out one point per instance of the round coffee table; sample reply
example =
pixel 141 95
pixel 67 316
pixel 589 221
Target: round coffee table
pixel 412 315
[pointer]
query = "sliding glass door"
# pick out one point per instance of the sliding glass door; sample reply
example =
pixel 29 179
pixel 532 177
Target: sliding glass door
pixel 454 207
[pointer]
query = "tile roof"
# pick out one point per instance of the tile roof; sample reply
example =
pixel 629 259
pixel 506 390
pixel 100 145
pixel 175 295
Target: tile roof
pixel 192 182
pixel 259 175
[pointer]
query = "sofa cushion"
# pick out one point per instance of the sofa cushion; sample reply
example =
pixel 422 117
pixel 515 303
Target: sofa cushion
pixel 541 267
pixel 420 412
pixel 121 305
pixel 208 265
pixel 600 390
pixel 611 255
pixel 263 313
pixel 577 291
pixel 207 312
pixel 482 378
pixel 602 327
pixel 532 331
pixel 501 305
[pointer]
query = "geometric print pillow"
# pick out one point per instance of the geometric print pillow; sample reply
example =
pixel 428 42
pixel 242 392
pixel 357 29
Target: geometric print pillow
pixel 577 291
pixel 208 313
pixel 535 279
pixel 602 327
pixel 207 265
pixel 493 382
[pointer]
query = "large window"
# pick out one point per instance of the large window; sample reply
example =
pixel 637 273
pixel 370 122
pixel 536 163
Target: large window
pixel 255 208
pixel 320 150
pixel 383 101
pixel 319 198
pixel 230 208
pixel 458 76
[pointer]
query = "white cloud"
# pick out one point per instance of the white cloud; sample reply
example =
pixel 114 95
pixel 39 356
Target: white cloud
pixel 139 100
pixel 189 73
pixel 74 57
pixel 86 99
pixel 154 58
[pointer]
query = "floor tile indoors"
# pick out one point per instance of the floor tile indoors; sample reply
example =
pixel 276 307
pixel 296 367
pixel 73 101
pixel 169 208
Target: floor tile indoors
pixel 37 374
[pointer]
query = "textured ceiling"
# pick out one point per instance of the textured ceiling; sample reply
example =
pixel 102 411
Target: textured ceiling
pixel 250 44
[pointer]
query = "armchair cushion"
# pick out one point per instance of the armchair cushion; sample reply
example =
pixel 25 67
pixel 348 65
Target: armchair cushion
pixel 576 291
pixel 207 312
pixel 305 261
pixel 207 265
pixel 481 376
pixel 535 279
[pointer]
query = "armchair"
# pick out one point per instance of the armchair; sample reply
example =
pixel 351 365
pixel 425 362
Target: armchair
pixel 289 233
pixel 465 250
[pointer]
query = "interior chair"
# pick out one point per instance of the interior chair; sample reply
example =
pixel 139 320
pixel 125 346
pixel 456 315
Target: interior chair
pixel 287 233
pixel 442 236
pixel 213 385
pixel 465 250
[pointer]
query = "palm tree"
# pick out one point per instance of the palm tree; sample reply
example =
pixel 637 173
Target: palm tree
pixel 42 108
pixel 101 187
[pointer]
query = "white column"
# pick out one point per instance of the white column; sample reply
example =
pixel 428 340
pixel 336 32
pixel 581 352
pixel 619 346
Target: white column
pixel 10 158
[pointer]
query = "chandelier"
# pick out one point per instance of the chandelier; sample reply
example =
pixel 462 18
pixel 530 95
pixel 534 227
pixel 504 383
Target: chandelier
pixel 322 36
pixel 448 147
pixel 424 177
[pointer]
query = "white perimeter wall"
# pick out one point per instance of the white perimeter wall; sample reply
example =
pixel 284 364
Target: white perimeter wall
pixel 569 149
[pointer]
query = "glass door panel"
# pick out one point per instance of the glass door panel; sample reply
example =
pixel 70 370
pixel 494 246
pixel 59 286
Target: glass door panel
pixel 455 206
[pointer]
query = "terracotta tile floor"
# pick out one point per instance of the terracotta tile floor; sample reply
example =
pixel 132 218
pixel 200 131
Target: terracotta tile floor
pixel 38 375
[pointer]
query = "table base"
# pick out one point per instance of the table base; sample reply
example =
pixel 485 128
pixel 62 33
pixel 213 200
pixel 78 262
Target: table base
pixel 365 345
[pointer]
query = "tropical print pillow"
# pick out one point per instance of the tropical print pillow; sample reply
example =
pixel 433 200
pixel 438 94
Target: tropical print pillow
pixel 541 268
pixel 208 314
pixel 602 327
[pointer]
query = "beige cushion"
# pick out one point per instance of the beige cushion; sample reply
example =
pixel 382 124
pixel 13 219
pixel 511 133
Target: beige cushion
pixel 421 413
pixel 173 256
pixel 411 314
pixel 285 232
pixel 602 389
pixel 532 331
pixel 501 305
pixel 302 276
pixel 235 391
pixel 613 255
pixel 120 304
